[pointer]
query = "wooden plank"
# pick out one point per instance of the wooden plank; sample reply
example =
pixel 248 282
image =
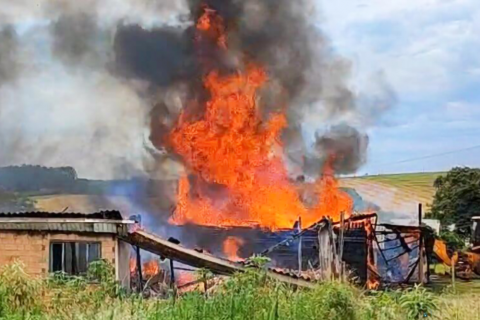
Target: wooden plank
pixel 169 250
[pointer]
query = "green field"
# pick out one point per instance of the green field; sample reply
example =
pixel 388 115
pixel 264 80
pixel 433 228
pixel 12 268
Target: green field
pixel 421 182
pixel 395 192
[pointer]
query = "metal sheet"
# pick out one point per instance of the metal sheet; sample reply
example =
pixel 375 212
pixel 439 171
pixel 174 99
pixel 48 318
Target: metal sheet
pixel 61 227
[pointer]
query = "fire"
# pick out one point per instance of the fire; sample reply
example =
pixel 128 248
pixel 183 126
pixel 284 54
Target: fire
pixel 150 268
pixel 373 284
pixel 237 152
pixel 231 245
pixel 132 265
pixel 184 277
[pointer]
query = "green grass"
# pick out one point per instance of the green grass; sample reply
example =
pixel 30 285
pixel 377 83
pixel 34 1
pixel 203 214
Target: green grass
pixel 407 180
pixel 251 295
pixel 402 190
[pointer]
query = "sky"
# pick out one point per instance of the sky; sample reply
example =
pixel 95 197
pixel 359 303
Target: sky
pixel 427 50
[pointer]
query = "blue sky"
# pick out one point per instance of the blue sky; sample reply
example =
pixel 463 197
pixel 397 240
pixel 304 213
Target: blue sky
pixel 428 50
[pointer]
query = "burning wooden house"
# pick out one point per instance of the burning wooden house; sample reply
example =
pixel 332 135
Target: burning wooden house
pixel 373 254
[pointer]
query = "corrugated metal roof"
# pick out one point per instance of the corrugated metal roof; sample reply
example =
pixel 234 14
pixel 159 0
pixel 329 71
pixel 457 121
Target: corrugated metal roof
pixel 62 227
pixel 292 274
pixel 102 215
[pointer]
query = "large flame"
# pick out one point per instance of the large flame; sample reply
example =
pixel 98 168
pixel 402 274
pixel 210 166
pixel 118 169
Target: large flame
pixel 235 156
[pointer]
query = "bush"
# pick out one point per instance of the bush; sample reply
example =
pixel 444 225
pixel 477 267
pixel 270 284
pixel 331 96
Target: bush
pixel 453 240
pixel 103 272
pixel 382 305
pixel 19 291
pixel 418 302
pixel 248 295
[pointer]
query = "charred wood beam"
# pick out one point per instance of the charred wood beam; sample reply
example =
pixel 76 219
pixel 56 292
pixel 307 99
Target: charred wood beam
pixel 176 252
pixel 289 240
pixel 139 269
pixel 170 250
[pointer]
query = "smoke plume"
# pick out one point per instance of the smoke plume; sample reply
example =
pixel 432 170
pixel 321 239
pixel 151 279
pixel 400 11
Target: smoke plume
pixel 306 77
pixel 107 80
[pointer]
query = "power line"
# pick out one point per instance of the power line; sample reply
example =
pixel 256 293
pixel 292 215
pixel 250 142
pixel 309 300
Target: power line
pixel 431 156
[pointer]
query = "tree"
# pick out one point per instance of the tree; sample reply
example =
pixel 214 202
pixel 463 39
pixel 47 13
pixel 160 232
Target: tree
pixel 457 199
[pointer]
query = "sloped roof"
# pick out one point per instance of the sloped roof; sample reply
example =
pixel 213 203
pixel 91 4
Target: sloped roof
pixel 110 222
pixel 100 215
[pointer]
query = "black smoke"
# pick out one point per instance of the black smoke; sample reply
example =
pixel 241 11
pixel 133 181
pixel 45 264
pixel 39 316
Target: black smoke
pixel 344 145
pixel 9 62
pixel 305 75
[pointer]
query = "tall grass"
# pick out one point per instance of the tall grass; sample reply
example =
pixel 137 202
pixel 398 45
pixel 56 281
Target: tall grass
pixel 251 295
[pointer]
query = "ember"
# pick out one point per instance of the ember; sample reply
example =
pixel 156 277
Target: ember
pixel 133 265
pixel 237 151
pixel 150 268
pixel 231 245
pixel 184 277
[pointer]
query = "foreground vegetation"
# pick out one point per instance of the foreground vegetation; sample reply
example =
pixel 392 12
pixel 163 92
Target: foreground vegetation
pixel 251 295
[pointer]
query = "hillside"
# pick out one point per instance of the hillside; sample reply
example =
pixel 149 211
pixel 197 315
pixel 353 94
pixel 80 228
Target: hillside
pixel 399 193
pixel 395 192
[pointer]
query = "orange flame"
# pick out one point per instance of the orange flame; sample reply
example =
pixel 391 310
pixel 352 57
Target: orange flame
pixel 133 265
pixel 150 268
pixel 231 245
pixel 237 152
pixel 184 277
pixel 373 284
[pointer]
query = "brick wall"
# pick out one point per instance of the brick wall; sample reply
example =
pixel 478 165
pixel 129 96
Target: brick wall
pixel 34 248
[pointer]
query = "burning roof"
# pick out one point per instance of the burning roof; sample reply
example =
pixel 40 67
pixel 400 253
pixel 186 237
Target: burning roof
pixel 197 259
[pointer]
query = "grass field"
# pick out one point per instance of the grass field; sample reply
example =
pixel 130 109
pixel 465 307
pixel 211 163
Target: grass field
pixel 395 192
pixel 81 203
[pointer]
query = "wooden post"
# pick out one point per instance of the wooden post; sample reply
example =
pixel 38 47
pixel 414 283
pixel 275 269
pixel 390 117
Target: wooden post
pixel 340 243
pixel 420 246
pixel 172 274
pixel 333 249
pixel 321 255
pixel 139 269
pixel 299 226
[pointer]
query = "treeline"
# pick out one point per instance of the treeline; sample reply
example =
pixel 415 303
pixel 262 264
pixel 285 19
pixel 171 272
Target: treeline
pixel 43 180
pixel 36 178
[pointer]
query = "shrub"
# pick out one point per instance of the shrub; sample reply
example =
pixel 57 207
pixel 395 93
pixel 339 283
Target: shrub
pixel 382 305
pixel 418 302
pixel 19 291
pixel 103 272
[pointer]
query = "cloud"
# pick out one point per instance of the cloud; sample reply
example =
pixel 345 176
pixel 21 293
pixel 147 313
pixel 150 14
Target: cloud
pixel 423 46
pixel 428 51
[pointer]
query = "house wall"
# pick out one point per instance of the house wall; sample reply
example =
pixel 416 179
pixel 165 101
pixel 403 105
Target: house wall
pixel 33 248
pixel 122 267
